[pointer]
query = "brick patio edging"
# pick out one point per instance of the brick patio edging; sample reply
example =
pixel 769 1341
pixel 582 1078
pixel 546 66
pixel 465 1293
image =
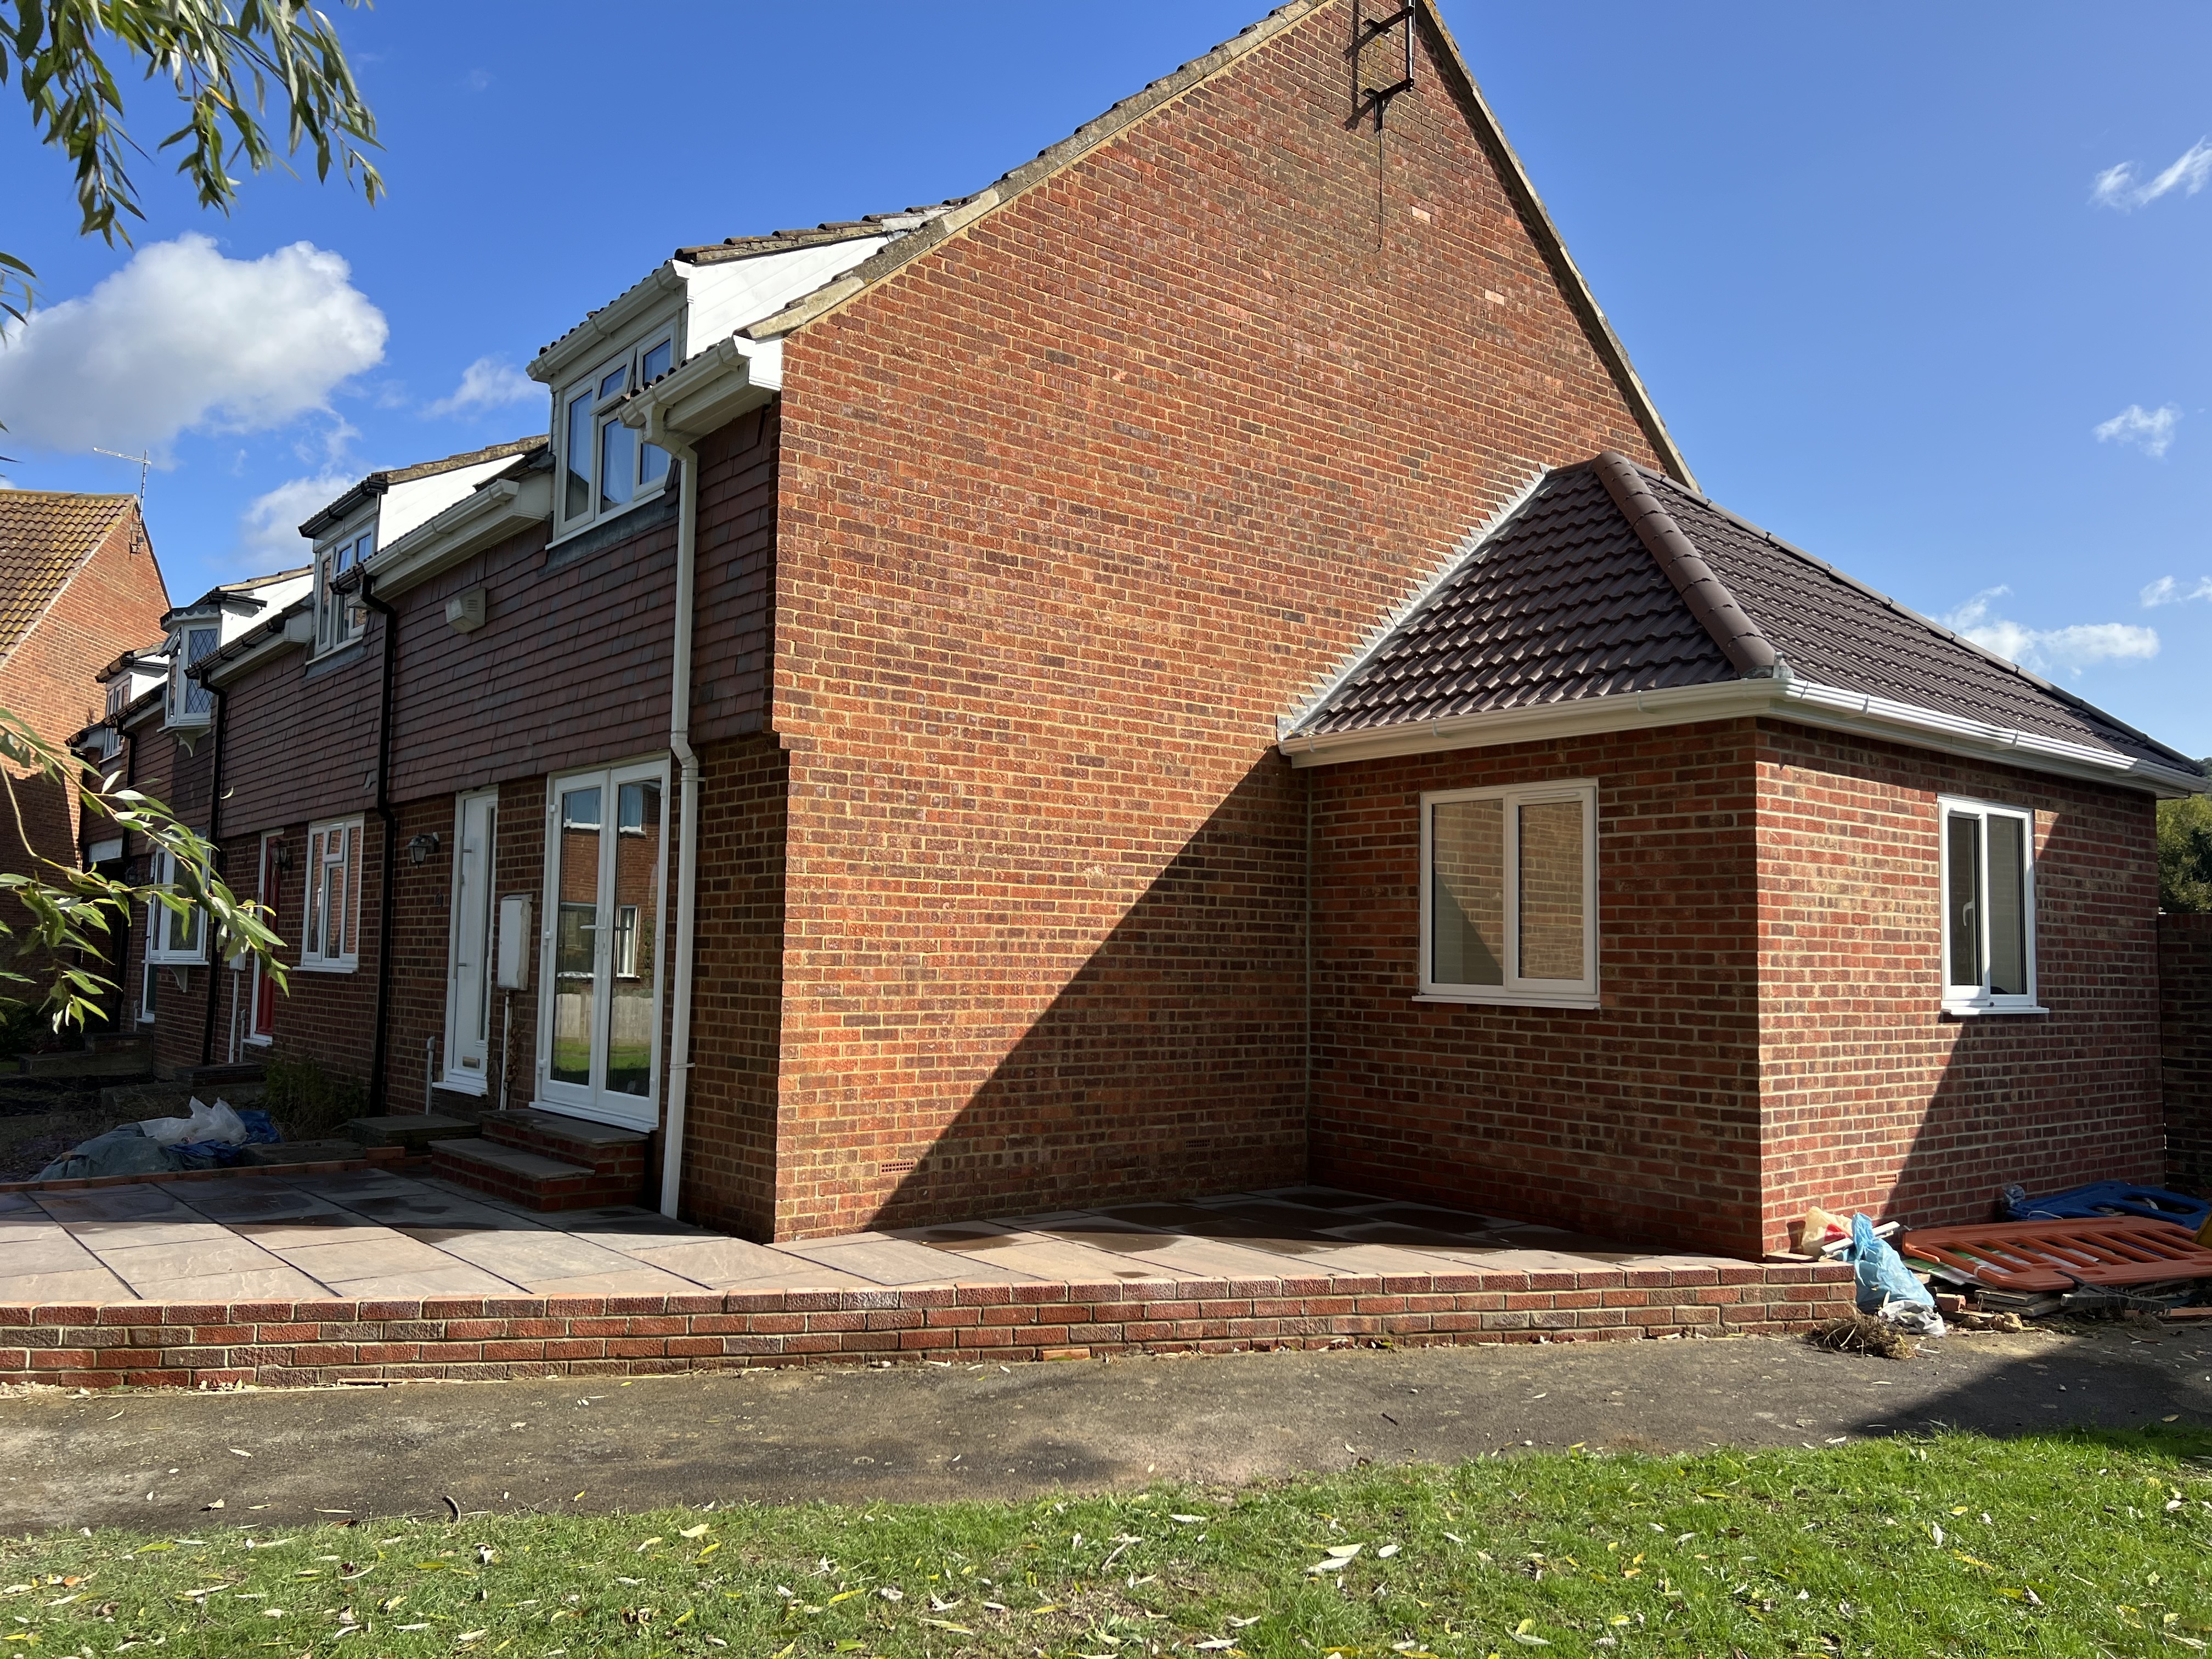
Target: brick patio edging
pixel 185 1345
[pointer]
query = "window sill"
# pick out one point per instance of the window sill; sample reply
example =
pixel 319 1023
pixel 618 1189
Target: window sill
pixel 1985 1010
pixel 605 519
pixel 152 961
pixel 1511 1000
pixel 327 967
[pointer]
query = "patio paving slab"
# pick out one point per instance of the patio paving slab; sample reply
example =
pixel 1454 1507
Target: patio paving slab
pixel 373 1234
pixel 93 1284
pixel 453 1278
pixel 883 1260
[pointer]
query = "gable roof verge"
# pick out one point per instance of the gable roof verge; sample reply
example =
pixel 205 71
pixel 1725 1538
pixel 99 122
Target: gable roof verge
pixel 959 215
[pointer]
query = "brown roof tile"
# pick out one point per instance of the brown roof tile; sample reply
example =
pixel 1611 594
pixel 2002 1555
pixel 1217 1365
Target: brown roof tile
pixel 45 534
pixel 1565 601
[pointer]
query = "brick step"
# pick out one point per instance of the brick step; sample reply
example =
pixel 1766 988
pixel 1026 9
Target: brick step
pixel 416 1131
pixel 599 1147
pixel 91 1063
pixel 526 1177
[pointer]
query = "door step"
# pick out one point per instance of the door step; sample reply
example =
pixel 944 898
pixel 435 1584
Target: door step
pixel 416 1131
pixel 546 1161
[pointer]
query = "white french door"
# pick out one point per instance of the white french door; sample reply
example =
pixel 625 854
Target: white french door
pixel 467 978
pixel 599 1044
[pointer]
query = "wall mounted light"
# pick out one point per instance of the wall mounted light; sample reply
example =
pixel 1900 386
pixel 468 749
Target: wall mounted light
pixel 284 855
pixel 420 849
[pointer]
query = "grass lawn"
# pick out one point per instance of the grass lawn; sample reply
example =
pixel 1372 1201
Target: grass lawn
pixel 2084 1543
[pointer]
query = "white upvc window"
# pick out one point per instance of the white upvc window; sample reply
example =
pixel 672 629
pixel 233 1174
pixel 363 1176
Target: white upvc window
pixel 191 703
pixel 1988 908
pixel 603 468
pixel 1509 895
pixel 328 941
pixel 339 614
pixel 170 938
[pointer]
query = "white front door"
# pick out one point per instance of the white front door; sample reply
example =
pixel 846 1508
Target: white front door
pixel 468 979
pixel 599 1045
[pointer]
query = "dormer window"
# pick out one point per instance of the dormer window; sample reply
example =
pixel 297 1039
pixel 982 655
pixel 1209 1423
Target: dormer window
pixel 189 703
pixel 603 468
pixel 339 613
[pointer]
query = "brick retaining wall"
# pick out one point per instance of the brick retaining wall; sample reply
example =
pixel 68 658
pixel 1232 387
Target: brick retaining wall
pixel 298 1344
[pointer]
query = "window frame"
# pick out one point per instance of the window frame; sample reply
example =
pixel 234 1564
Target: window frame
pixel 596 1101
pixel 1968 1001
pixel 160 920
pixel 1516 991
pixel 268 890
pixel 603 409
pixel 340 615
pixel 178 710
pixel 314 895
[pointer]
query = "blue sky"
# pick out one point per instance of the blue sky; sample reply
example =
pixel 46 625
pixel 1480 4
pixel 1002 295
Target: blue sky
pixel 1878 265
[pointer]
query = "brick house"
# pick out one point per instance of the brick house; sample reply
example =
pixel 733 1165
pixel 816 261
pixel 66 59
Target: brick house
pixel 1197 667
pixel 78 585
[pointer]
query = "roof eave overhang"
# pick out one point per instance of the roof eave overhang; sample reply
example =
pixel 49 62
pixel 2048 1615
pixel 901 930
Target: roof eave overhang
pixel 489 515
pixel 1803 700
pixel 611 325
pixel 272 639
pixel 707 393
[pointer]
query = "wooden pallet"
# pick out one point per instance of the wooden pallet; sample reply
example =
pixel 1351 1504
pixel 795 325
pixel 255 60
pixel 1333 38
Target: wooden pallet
pixel 2040 1256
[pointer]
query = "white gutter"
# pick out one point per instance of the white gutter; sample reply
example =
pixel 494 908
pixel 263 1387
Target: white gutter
pixel 1785 696
pixel 488 514
pixel 708 392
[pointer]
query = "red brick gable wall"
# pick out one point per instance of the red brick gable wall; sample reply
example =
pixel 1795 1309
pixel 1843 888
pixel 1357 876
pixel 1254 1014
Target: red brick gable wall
pixel 1073 506
pixel 1872 1099
pixel 112 603
pixel 1638 1120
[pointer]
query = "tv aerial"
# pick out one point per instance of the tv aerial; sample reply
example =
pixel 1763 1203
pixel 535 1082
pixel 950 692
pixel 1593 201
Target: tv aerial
pixel 144 461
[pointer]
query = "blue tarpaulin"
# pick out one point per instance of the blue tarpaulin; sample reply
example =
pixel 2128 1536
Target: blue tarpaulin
pixel 2108 1198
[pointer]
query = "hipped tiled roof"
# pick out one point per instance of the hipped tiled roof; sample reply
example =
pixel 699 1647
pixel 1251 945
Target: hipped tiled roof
pixel 45 534
pixel 1568 600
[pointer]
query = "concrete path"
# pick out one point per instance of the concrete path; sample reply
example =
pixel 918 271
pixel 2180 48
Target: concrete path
pixel 916 1433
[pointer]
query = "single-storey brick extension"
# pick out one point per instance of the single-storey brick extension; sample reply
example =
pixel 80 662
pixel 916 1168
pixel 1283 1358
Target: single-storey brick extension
pixel 1196 668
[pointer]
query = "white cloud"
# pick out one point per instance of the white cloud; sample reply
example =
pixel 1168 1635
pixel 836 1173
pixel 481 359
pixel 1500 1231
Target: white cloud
pixel 2166 590
pixel 269 530
pixel 2118 187
pixel 2149 429
pixel 2049 649
pixel 182 338
pixel 488 383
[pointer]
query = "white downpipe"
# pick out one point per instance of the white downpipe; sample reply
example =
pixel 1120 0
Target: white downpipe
pixel 687 833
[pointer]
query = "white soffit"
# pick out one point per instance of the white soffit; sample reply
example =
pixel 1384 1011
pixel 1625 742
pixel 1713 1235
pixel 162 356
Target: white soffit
pixel 406 506
pixel 732 293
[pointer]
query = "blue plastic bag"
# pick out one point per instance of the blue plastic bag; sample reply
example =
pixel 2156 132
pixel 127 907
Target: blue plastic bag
pixel 1883 1277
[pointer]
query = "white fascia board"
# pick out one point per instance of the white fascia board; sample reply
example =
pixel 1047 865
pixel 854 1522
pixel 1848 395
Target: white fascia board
pixel 1804 701
pixel 271 596
pixel 612 325
pixel 254 656
pixel 408 507
pixel 502 509
pixel 709 392
pixel 734 294
pixel 1836 709
pixel 1624 711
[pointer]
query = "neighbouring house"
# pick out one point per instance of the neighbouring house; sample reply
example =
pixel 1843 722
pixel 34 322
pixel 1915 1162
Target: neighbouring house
pixel 1198 667
pixel 161 736
pixel 78 584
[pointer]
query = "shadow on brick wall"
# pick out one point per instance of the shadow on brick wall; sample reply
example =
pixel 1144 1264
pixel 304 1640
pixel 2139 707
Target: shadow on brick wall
pixel 1172 1062
pixel 2185 1014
